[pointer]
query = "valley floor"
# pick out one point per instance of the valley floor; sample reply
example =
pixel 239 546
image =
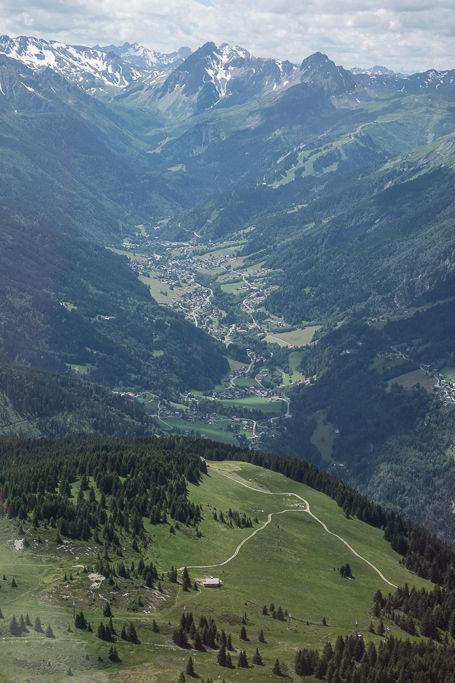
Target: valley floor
pixel 178 275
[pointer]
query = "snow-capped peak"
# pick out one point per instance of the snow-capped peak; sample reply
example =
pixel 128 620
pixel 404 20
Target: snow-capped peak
pixel 216 72
pixel 90 67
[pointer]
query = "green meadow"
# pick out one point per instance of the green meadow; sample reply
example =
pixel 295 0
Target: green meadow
pixel 291 562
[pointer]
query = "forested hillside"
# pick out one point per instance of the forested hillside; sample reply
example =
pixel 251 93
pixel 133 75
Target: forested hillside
pixel 69 305
pixel 34 403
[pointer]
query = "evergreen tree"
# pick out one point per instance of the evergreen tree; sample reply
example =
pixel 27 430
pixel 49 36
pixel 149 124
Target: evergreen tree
pixel 14 627
pixel 222 656
pixel 49 632
pixel 277 668
pixel 186 580
pixel 113 654
pixel 261 636
pixel 107 612
pixel 80 621
pixel 190 667
pixel 38 626
pixel 132 634
pixel 243 633
pixel 257 659
pixel 243 660
pixel 180 638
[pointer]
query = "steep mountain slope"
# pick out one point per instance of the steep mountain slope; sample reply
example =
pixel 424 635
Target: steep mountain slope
pixel 394 248
pixel 69 154
pixel 74 174
pixel 70 303
pixel 213 74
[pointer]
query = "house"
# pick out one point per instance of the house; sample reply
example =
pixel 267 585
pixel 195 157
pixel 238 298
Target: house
pixel 212 582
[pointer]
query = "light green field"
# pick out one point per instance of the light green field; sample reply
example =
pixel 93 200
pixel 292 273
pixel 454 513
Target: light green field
pixel 237 287
pixel 449 373
pixel 294 375
pixel 409 379
pixel 299 337
pixel 292 562
pixel 161 291
pixel 265 405
pixel 217 431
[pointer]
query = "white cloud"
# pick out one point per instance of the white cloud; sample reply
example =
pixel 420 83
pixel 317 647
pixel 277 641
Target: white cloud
pixel 402 34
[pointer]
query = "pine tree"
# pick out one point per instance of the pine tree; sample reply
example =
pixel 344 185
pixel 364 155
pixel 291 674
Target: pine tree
pixel 80 621
pixel 132 634
pixel 243 660
pixel 186 580
pixel 38 627
pixel 22 625
pixel 107 612
pixel 27 620
pixel 190 667
pixel 13 583
pixel 179 637
pixel 243 633
pixel 113 654
pixel 49 632
pixel 257 659
pixel 155 627
pixel 229 645
pixel 380 630
pixel 14 627
pixel 277 668
pixel 172 575
pixel 222 656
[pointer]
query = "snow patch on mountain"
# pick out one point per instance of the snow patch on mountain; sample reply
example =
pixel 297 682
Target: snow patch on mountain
pixel 91 67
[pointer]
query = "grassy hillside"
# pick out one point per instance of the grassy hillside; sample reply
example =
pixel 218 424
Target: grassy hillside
pixel 292 562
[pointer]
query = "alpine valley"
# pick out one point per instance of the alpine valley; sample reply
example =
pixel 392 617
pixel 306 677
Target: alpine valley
pixel 205 257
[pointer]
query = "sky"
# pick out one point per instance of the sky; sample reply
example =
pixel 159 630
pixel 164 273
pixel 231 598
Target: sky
pixel 407 35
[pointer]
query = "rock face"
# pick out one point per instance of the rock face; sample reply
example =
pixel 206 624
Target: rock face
pixel 213 74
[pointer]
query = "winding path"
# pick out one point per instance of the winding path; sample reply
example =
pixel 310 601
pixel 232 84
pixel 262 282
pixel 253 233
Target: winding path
pixel 281 512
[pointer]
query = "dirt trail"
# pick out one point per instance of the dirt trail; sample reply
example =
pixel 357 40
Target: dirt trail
pixel 269 519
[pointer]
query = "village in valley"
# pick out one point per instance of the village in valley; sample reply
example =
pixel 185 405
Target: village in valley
pixel 224 293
